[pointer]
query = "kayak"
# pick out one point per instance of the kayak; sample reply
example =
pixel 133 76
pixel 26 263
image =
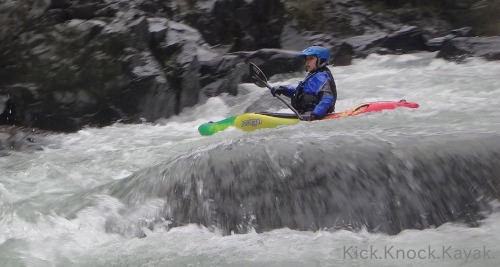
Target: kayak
pixel 254 121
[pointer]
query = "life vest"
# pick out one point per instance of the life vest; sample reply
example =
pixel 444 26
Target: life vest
pixel 304 102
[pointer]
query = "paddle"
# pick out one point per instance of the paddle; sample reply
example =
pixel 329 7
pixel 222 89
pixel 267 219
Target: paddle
pixel 260 79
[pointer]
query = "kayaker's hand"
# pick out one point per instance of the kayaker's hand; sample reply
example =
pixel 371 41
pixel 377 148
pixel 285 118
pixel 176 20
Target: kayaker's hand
pixel 278 90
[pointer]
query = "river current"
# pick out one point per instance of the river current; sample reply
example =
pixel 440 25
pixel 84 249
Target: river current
pixel 406 187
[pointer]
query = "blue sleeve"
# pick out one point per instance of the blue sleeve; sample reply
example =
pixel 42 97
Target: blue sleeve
pixel 322 107
pixel 290 91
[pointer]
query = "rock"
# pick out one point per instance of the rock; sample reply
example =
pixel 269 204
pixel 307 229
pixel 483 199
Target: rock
pixel 275 61
pixel 436 44
pixel 225 193
pixel 148 95
pixel 17 97
pixel 15 16
pixel 157 28
pixel 408 39
pixel 89 72
pixel 481 15
pixel 56 4
pixel 233 70
pixel 342 54
pixel 364 44
pixel 13 138
pixel 460 48
pixel 190 84
pixel 244 25
pixel 464 32
pixel 97 62
pixel 85 11
pixel 291 39
pixel 180 55
pixel 7 110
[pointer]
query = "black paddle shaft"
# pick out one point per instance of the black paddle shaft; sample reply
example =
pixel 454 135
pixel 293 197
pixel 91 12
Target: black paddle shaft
pixel 260 79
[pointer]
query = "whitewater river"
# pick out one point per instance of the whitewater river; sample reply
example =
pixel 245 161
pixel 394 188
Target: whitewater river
pixel 396 188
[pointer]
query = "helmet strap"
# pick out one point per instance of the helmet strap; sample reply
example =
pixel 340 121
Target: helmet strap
pixel 320 63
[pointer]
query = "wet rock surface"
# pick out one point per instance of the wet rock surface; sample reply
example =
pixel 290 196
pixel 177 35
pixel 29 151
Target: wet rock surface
pixel 21 139
pixel 459 48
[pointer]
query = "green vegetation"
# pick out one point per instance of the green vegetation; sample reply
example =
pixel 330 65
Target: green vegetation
pixel 189 4
pixel 306 14
pixel 482 15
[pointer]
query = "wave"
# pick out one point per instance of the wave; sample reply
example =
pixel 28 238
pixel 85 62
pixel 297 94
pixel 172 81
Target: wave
pixel 354 183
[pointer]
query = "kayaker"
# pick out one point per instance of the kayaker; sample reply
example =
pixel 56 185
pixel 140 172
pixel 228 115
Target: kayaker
pixel 317 93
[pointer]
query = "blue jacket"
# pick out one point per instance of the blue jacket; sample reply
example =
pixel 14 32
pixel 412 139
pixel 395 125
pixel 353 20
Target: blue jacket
pixel 319 86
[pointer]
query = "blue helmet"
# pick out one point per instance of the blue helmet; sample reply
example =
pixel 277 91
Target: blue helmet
pixel 321 53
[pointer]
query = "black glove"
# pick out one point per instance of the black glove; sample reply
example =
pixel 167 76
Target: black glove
pixel 278 90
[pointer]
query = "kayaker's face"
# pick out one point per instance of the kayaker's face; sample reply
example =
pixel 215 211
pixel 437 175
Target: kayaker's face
pixel 310 63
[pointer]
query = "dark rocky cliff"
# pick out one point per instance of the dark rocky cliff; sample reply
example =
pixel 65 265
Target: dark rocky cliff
pixel 66 64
